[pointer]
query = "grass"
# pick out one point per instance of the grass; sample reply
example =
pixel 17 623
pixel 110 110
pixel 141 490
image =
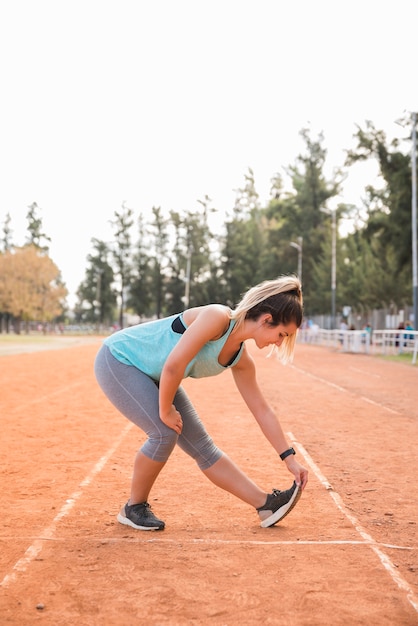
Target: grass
pixel 405 357
pixel 12 338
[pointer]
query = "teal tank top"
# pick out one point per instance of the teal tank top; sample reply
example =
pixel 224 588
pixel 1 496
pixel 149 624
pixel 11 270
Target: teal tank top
pixel 147 346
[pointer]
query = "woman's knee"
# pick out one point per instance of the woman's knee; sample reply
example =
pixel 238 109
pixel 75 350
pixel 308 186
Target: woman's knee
pixel 209 457
pixel 204 451
pixel 159 446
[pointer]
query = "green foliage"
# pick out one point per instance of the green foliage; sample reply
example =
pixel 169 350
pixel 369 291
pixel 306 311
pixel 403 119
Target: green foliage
pixel 36 236
pixel 159 245
pixel 6 241
pixel 140 297
pixel 244 243
pixel 96 294
pixel 389 209
pixel 298 214
pixel 178 262
pixel 121 250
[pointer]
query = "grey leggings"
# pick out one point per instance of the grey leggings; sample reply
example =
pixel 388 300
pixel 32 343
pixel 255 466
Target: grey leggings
pixel 135 395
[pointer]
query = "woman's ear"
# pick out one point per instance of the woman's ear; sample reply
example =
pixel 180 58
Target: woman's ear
pixel 267 318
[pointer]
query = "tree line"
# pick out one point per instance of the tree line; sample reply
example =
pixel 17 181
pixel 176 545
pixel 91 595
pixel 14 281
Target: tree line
pixel 159 265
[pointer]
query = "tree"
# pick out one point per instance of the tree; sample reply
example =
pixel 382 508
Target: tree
pixel 6 246
pixel 96 296
pixel 366 278
pixel 30 286
pixel 7 234
pixel 140 296
pixel 190 260
pixel 388 209
pixel 122 249
pixel 159 261
pixel 244 242
pixel 36 235
pixel 178 279
pixel 297 213
pixel 205 253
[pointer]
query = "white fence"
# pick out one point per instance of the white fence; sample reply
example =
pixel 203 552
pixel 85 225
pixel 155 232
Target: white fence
pixel 387 342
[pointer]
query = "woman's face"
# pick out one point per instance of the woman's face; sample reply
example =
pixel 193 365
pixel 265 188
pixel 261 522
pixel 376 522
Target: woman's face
pixel 267 335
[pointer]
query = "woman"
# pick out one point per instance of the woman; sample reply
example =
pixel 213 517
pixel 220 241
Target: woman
pixel 140 369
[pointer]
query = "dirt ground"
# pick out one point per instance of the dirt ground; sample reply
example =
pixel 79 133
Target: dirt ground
pixel 347 553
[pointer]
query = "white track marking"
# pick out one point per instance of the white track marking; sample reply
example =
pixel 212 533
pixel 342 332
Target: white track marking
pixel 342 389
pixel 49 532
pixel 379 405
pixel 368 539
pixel 322 380
pixel 39 399
pixel 357 369
pixel 238 542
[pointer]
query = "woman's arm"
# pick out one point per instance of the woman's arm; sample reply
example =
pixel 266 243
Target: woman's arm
pixel 209 322
pixel 245 379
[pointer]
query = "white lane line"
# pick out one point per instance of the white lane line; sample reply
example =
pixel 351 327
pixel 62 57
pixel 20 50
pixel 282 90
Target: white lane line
pixel 238 542
pixel 379 405
pixel 330 384
pixel 365 372
pixel 61 390
pixel 322 380
pixel 48 533
pixel 384 559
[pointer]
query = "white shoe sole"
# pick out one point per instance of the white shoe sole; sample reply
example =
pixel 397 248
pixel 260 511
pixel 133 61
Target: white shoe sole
pixel 283 511
pixel 127 522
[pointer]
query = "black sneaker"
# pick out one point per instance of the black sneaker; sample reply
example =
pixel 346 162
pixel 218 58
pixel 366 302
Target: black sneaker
pixel 278 505
pixel 140 516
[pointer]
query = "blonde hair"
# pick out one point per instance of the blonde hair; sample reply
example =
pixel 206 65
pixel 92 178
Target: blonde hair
pixel 282 298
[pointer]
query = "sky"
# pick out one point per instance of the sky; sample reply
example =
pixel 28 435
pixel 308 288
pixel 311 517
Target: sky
pixel 162 102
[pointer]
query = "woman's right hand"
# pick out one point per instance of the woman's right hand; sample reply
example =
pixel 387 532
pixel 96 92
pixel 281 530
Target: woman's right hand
pixel 173 420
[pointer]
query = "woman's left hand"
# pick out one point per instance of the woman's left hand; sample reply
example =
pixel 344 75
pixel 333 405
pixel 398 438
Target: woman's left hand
pixel 173 420
pixel 299 471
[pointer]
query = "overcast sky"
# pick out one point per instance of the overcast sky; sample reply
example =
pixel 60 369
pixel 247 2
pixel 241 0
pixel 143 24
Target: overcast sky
pixel 161 102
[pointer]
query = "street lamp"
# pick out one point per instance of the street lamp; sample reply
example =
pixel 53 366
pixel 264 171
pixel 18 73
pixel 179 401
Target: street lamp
pixel 299 248
pixel 333 213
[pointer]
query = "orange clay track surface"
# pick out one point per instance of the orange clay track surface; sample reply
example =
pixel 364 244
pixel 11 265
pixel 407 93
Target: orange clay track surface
pixel 347 554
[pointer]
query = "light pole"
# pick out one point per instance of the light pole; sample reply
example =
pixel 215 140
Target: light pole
pixel 333 213
pixel 402 123
pixel 299 248
pixel 187 277
pixel 414 219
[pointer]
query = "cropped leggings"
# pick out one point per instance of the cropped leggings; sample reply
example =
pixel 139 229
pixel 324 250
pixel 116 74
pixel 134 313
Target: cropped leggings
pixel 135 395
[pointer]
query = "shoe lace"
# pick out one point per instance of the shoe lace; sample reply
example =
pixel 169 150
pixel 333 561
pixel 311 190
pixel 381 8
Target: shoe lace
pixel 141 505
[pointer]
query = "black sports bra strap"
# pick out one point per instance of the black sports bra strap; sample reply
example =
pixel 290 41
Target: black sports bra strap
pixel 178 326
pixel 234 357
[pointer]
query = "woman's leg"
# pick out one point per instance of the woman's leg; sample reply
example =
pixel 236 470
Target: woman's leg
pixel 226 475
pixel 144 475
pixel 218 467
pixel 135 395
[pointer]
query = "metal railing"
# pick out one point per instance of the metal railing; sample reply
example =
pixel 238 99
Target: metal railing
pixel 386 342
